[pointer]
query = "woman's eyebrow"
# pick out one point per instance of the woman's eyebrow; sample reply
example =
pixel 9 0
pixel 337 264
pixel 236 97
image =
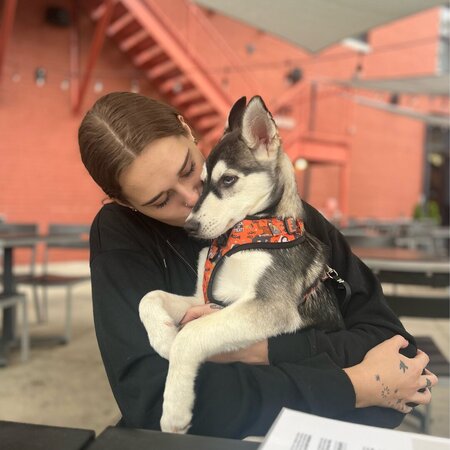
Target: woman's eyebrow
pixel 186 159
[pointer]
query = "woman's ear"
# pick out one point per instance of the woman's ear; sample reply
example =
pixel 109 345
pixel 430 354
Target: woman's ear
pixel 122 203
pixel 186 127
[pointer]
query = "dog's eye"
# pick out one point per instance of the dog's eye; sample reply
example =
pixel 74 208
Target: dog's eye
pixel 228 180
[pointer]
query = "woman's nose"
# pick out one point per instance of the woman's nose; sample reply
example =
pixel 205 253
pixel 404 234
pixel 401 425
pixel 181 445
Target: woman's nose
pixel 191 196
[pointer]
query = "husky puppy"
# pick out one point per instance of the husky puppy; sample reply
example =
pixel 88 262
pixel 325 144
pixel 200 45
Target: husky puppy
pixel 267 291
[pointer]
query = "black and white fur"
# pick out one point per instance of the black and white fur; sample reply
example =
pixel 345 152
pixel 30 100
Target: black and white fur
pixel 246 174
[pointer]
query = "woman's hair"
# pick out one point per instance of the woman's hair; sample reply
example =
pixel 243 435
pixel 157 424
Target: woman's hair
pixel 117 129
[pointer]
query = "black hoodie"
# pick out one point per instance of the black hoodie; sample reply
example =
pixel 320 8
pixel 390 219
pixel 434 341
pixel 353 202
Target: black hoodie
pixel 132 254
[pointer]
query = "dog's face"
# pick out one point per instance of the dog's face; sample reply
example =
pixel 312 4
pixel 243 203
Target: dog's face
pixel 240 175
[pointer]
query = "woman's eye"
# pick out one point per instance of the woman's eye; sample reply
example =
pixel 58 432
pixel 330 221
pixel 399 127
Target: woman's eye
pixel 229 180
pixel 164 203
pixel 191 170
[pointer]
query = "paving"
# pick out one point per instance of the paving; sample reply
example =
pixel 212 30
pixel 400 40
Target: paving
pixel 66 385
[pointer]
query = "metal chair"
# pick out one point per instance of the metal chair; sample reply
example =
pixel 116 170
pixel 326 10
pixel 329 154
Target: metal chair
pixel 370 241
pixel 13 300
pixel 48 280
pixel 31 228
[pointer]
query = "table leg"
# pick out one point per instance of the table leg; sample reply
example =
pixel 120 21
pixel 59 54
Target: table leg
pixel 9 314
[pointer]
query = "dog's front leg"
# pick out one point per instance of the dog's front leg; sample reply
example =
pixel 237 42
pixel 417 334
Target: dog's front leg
pixel 232 328
pixel 161 312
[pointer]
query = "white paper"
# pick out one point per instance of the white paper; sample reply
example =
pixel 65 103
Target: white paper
pixel 295 430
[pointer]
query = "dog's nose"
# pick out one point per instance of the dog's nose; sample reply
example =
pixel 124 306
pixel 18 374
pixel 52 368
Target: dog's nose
pixel 191 225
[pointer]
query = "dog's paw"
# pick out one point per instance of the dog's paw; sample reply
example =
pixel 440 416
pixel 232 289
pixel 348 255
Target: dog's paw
pixel 174 420
pixel 160 327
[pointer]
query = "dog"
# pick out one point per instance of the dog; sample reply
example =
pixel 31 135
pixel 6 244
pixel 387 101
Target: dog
pixel 270 283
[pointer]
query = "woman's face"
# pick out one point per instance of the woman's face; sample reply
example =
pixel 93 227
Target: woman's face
pixel 163 182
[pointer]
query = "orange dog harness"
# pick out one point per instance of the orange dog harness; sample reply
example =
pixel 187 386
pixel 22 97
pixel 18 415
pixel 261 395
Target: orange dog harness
pixel 268 233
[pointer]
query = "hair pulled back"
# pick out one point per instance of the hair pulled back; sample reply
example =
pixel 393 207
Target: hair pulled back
pixel 118 127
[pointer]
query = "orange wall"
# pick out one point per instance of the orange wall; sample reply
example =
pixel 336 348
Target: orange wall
pixel 42 179
pixel 41 175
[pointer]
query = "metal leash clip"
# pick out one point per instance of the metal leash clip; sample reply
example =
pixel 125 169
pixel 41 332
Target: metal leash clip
pixel 342 284
pixel 331 273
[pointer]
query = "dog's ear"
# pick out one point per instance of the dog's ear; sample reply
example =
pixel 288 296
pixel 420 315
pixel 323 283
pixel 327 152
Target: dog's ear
pixel 259 130
pixel 235 116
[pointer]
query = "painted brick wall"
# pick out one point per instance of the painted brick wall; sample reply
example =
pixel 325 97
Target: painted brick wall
pixel 42 179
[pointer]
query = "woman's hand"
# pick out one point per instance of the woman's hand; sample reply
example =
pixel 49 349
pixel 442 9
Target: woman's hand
pixel 257 353
pixel 387 378
pixel 194 312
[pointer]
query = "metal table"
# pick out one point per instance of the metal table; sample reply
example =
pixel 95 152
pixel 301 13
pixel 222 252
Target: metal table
pixel 415 268
pixel 20 436
pixel 133 439
pixel 9 241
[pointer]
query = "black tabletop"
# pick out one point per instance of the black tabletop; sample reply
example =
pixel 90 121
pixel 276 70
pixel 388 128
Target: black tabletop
pixel 131 439
pixel 23 436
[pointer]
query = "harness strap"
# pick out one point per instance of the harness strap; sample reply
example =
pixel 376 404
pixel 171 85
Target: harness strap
pixel 251 233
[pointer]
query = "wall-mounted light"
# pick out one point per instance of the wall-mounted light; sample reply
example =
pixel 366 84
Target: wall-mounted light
pixel 135 86
pixel 40 76
pixel 301 164
pixel 394 99
pixel 250 48
pixel 177 87
pixel 436 159
pixel 98 87
pixel 294 75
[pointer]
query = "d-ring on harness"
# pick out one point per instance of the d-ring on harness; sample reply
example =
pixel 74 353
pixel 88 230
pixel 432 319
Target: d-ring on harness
pixel 266 233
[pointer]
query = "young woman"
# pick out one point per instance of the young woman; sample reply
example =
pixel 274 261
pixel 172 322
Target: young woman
pixel 144 156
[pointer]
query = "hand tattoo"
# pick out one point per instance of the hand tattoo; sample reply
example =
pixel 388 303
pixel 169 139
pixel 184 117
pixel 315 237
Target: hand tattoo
pixel 403 366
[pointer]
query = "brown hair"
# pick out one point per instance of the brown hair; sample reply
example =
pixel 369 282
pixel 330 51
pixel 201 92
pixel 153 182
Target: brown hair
pixel 117 129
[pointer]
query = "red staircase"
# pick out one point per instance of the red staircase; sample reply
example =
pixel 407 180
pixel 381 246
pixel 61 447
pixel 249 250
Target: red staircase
pixel 182 54
pixel 149 33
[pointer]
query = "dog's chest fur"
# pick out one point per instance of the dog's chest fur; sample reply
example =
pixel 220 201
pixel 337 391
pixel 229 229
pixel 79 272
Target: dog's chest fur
pixel 238 276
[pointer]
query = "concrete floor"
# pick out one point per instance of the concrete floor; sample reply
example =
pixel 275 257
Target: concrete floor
pixel 65 385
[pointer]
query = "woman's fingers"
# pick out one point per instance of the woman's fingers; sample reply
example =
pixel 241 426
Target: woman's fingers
pixel 198 311
pixel 402 407
pixel 422 357
pixel 421 398
pixel 398 341
pixel 428 380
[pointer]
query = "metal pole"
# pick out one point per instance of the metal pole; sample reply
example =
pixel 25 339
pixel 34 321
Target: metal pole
pixel 9 10
pixel 97 44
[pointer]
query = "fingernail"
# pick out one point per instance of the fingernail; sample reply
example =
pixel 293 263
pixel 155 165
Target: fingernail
pixel 215 306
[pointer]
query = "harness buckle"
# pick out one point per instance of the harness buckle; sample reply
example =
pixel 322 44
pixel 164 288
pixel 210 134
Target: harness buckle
pixel 290 224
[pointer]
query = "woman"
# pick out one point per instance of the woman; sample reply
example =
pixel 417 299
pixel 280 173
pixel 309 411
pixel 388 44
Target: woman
pixel 145 158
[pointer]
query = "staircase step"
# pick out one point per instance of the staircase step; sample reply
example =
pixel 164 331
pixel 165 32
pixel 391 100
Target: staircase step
pixel 161 69
pixel 187 96
pixel 134 39
pixel 213 135
pixel 206 123
pixel 147 55
pixel 170 85
pixel 119 24
pixel 199 109
pixel 98 12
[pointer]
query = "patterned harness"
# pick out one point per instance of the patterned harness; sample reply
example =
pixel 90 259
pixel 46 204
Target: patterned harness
pixel 268 233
